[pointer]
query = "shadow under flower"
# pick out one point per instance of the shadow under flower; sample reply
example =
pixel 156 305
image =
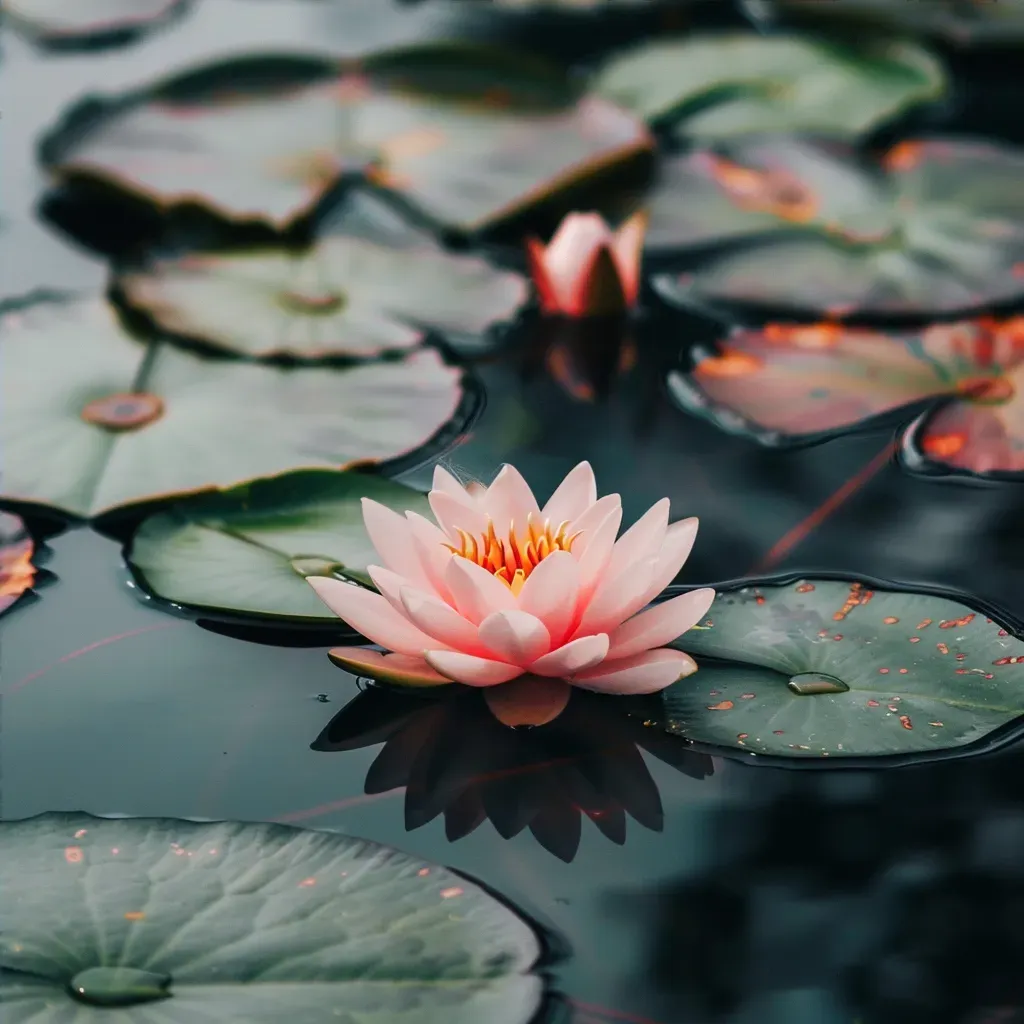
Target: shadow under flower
pixel 534 754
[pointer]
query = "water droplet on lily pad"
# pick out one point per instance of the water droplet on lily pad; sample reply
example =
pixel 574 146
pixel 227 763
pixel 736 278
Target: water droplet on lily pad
pixel 315 565
pixel 808 683
pixel 119 986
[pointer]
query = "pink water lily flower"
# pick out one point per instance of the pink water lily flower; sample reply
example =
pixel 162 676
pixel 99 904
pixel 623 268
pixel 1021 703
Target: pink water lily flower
pixel 502 588
pixel 587 269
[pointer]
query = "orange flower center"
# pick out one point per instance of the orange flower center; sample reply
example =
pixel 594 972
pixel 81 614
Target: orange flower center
pixel 511 559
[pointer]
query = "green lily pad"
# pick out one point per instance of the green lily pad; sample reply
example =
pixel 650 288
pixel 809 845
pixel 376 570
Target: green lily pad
pixel 93 421
pixel 57 23
pixel 809 227
pixel 717 87
pixel 467 136
pixel 829 668
pixel 337 298
pixel 249 549
pixel 262 923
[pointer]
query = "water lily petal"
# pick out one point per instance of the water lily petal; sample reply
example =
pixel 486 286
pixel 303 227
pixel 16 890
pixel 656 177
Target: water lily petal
pixel 660 624
pixel 439 620
pixel 535 259
pixel 643 540
pixel 468 669
pixel 572 497
pixel 551 592
pixel 528 700
pixel 616 599
pixel 391 537
pixel 675 549
pixel 627 248
pixel 591 519
pixel 371 615
pixel 571 250
pixel 430 544
pixel 389 584
pixel 642 673
pixel 509 501
pixel 515 636
pixel 594 559
pixel 476 592
pixel 400 669
pixel 453 514
pixel 449 484
pixel 577 656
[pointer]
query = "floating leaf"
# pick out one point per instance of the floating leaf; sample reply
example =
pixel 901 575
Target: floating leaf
pixel 253 922
pixel 717 87
pixel 827 668
pixel 93 420
pixel 58 23
pixel 467 136
pixel 249 549
pixel 348 295
pixel 813 229
pixel 460 755
pixel 788 383
pixel 17 573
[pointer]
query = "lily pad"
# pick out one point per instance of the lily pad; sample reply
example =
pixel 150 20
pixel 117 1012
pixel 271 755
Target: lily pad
pixel 249 549
pixel 181 921
pixel 17 572
pixel 92 420
pixel 58 23
pixel 828 668
pixel 467 136
pixel 717 87
pixel 792 384
pixel 812 228
pixel 353 293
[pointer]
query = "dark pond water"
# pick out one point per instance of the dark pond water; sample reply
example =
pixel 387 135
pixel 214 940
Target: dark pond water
pixel 767 895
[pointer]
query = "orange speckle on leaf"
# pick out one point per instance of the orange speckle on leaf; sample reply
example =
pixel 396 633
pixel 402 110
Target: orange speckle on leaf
pixel 890 620
pixel 774 191
pixel 724 705
pixel 73 854
pixel 135 915
pixel 730 363
pixel 943 446
pixel 447 894
pixel 904 156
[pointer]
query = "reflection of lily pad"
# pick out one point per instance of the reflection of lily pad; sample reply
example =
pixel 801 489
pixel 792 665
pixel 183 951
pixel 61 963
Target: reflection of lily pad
pixel 790 383
pixel 811 228
pixel 249 549
pixel 717 87
pixel 157 919
pixel 827 668
pixel 349 295
pixel 17 573
pixel 467 136
pixel 59 23
pixel 92 420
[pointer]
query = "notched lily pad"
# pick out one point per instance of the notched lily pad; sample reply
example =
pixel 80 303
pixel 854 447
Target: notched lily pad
pixel 826 668
pixel 248 550
pixel 262 923
pixel 467 136
pixel 17 571
pixel 717 87
pixel 81 430
pixel 799 383
pixel 354 293
pixel 809 227
pixel 59 24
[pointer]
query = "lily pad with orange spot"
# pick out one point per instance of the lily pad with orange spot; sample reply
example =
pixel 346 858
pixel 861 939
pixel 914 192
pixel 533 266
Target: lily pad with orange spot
pixel 17 571
pixel 827 669
pixel 57 23
pixel 794 384
pixel 248 550
pixel 467 136
pixel 810 227
pixel 91 420
pixel 710 88
pixel 356 292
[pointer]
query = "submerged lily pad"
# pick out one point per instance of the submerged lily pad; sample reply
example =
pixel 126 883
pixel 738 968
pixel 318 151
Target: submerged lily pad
pixel 253 922
pixel 810 227
pixel 17 573
pixel 59 23
pixel 717 87
pixel 827 668
pixel 468 136
pixel 249 549
pixel 92 420
pixel 789 383
pixel 350 294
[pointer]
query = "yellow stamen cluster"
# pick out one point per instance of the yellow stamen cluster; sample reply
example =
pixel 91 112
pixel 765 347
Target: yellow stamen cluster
pixel 511 559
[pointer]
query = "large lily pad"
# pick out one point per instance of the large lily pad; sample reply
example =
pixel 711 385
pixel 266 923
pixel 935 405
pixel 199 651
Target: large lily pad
pixel 716 87
pixel 17 571
pixel 92 420
pixel 176 921
pixel 249 549
pixel 810 227
pixel 353 293
pixel 788 383
pixel 828 668
pixel 467 136
pixel 58 23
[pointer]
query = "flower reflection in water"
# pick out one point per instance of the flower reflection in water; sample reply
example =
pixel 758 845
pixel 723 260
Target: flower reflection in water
pixel 534 754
